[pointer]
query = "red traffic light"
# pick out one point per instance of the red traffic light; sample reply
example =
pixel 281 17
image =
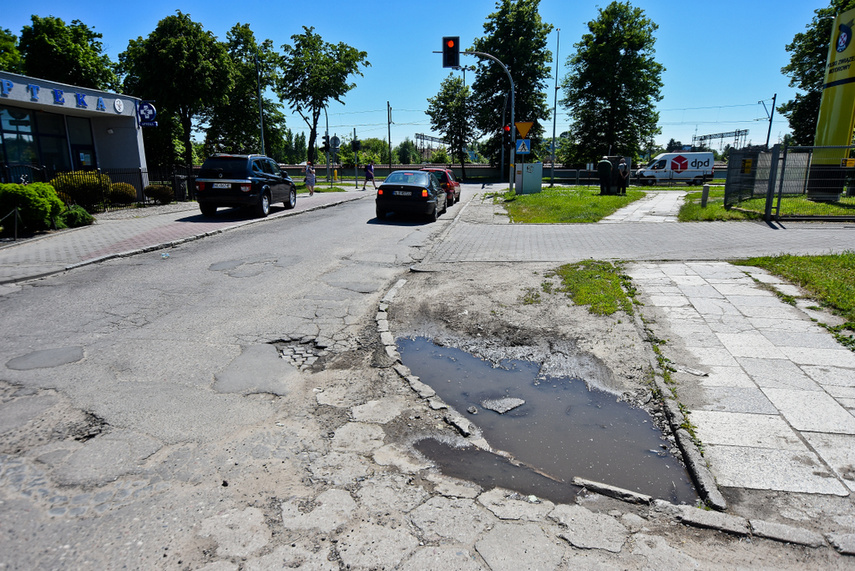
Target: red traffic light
pixel 507 128
pixel 451 51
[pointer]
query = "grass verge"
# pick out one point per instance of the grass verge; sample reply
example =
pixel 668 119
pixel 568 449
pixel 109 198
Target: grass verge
pixel 563 205
pixel 829 279
pixel 602 286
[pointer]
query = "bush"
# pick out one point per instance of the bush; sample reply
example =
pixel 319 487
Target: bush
pixel 85 188
pixel 76 216
pixel 37 203
pixel 160 193
pixel 122 193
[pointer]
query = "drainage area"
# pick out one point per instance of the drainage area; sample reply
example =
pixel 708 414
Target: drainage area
pixel 562 431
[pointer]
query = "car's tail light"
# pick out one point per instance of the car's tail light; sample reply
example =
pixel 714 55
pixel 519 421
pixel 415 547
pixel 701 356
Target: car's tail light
pixel 424 193
pixel 245 187
pixel 379 192
pixel 200 185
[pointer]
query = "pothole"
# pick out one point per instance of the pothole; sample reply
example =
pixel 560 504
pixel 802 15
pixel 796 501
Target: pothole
pixel 562 430
pixel 301 354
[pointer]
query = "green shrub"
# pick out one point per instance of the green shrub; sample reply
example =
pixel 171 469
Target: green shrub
pixel 122 193
pixel 76 216
pixel 85 188
pixel 37 203
pixel 160 193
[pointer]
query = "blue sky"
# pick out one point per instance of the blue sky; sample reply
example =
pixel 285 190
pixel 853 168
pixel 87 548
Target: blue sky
pixel 721 58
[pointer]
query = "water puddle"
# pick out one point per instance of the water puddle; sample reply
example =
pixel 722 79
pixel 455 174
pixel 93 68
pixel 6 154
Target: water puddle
pixel 562 431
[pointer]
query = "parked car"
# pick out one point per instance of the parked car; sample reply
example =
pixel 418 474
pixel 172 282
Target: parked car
pixel 250 181
pixel 412 192
pixel 447 182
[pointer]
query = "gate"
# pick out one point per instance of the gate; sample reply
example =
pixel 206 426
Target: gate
pixel 792 183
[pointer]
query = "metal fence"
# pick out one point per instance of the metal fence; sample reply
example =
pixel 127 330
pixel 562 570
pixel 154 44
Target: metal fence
pixel 793 183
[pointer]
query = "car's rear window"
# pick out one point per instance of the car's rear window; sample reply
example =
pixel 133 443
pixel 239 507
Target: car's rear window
pixel 408 177
pixel 231 167
pixel 440 175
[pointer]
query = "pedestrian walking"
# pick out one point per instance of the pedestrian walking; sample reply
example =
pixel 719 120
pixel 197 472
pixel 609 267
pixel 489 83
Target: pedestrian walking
pixel 369 175
pixel 604 168
pixel 310 178
pixel 623 177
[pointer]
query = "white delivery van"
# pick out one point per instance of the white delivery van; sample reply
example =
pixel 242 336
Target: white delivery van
pixel 691 168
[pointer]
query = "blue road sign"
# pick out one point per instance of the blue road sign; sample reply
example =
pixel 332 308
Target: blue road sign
pixel 523 146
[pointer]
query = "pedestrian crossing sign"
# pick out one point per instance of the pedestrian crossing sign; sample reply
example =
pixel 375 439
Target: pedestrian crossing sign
pixel 523 146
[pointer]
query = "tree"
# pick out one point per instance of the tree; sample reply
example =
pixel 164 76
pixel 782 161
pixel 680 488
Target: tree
pixel 10 57
pixel 407 152
pixel 66 53
pixel 450 113
pixel 181 67
pixel 806 70
pixel 315 72
pixel 613 84
pixel 516 35
pixel 233 125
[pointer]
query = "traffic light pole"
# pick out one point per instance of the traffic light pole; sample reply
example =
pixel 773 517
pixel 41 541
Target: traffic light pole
pixel 513 126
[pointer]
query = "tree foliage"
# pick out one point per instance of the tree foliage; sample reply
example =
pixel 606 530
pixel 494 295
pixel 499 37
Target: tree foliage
pixel 233 125
pixel 450 113
pixel 613 84
pixel 183 68
pixel 407 153
pixel 68 53
pixel 315 72
pixel 516 35
pixel 10 56
pixel 806 70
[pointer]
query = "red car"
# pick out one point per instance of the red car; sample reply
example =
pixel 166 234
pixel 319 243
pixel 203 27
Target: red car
pixel 447 182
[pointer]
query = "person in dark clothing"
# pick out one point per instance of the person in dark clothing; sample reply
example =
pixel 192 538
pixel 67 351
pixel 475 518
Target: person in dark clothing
pixel 623 177
pixel 604 168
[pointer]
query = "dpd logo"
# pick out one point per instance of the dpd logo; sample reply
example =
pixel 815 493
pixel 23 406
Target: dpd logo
pixel 679 163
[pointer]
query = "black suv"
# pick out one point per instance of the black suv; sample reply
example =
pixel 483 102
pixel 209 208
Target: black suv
pixel 251 181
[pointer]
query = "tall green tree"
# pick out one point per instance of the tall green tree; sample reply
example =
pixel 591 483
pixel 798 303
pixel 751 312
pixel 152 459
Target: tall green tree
pixel 450 113
pixel 613 84
pixel 517 36
pixel 407 152
pixel 806 70
pixel 233 124
pixel 315 72
pixel 68 53
pixel 183 68
pixel 10 56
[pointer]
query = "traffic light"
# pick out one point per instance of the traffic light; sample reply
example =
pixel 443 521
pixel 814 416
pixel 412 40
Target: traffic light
pixel 325 146
pixel 507 136
pixel 451 51
pixel 355 145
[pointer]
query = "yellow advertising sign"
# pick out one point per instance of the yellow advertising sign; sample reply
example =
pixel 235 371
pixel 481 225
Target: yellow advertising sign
pixel 836 112
pixel 847 163
pixel 523 127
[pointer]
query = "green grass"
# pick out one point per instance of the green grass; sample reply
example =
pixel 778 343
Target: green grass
pixel 319 187
pixel 800 206
pixel 564 204
pixel 830 279
pixel 755 208
pixel 691 211
pixel 602 286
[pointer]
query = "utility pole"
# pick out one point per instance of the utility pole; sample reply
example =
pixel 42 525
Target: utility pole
pixel 389 131
pixel 772 114
pixel 260 109
pixel 555 108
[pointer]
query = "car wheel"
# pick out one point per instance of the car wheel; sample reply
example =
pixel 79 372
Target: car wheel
pixel 262 209
pixel 381 214
pixel 434 216
pixel 208 209
pixel 450 200
pixel 444 206
pixel 698 181
pixel 291 201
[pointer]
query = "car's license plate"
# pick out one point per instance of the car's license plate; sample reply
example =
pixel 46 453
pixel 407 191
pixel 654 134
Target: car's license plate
pixel 402 193
pixel 222 185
